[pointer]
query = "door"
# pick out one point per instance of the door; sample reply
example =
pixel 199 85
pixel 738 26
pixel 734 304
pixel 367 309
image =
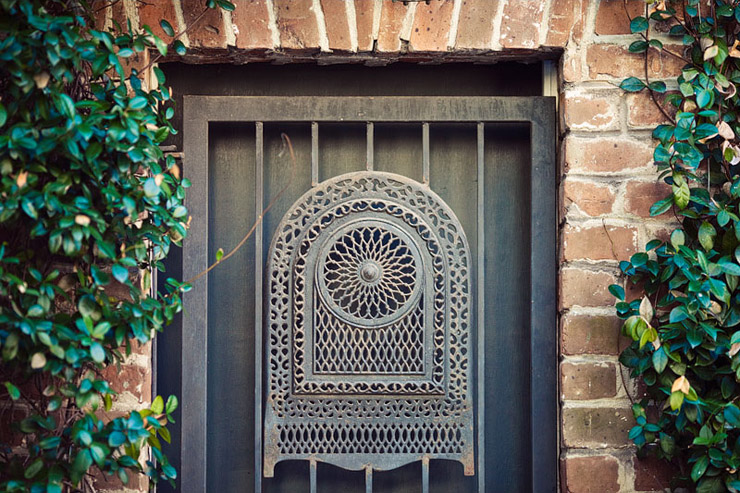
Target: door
pixel 489 164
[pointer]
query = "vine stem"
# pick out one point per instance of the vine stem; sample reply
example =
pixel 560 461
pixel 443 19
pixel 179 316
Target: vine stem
pixel 260 218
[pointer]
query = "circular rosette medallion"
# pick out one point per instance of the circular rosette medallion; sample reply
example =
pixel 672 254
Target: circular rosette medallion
pixel 369 273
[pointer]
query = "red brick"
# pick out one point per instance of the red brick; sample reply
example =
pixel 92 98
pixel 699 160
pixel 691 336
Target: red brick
pixel 642 195
pixel 297 23
pixel 100 15
pixel 151 14
pixel 580 287
pixel 252 25
pixel 591 334
pixel 364 13
pixel 593 199
pixel 431 28
pixel 208 32
pixel 130 378
pixel 475 27
pixel 521 24
pixel 566 22
pixel 599 242
pixel 119 17
pixel 652 474
pixel 612 17
pixel 337 24
pixel 391 21
pixel 572 67
pixel 590 112
pixel 586 381
pixel 644 113
pixel 601 63
pixel 596 427
pixel 591 475
pixel 602 155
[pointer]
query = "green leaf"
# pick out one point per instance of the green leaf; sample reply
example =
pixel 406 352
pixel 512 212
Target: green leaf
pixel 681 195
pixel 678 238
pixel 33 469
pixel 3 115
pixel 658 86
pixel 171 405
pixel 13 391
pixel 707 233
pixel 638 47
pixel 97 352
pixel 703 98
pixel 632 84
pixel 732 415
pixel 116 439
pixel 660 360
pixel 617 291
pixel 120 273
pixel 728 266
pixel 151 189
pixel 639 24
pixel 180 48
pixel 661 206
pixel 166 27
pixel 138 103
pixel 676 399
pixel 158 405
pixel 700 467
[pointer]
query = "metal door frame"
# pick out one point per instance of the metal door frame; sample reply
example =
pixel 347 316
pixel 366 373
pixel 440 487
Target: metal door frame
pixel 539 112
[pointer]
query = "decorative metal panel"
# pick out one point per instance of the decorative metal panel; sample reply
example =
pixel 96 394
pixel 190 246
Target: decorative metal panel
pixel 368 328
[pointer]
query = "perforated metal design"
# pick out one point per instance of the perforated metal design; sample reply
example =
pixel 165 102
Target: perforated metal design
pixel 368 353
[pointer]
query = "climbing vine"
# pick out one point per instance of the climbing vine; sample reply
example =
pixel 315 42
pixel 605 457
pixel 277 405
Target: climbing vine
pixel 685 328
pixel 89 206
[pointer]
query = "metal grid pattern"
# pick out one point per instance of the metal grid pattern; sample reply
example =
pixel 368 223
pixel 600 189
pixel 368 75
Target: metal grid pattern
pixel 199 111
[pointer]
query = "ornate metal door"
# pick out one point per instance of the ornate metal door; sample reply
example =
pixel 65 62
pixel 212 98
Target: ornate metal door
pixel 390 326
pixel 368 339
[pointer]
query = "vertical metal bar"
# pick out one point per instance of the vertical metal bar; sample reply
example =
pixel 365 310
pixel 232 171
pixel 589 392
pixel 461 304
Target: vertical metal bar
pixel 368 479
pixel 425 475
pixel 543 314
pixel 194 333
pixel 312 475
pixel 314 154
pixel 481 310
pixel 370 164
pixel 258 242
pixel 425 152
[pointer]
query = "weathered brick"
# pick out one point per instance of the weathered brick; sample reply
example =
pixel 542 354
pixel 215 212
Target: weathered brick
pixel 251 25
pixel 591 475
pixel 133 379
pixel 598 242
pixel 566 22
pixel 644 113
pixel 652 474
pixel 572 67
pixel 642 195
pixel 593 199
pixel 612 61
pixel 150 14
pixel 584 381
pixel 431 28
pixel 521 24
pixel 475 27
pixel 606 155
pixel 297 23
pixel 612 17
pixel 579 287
pixel 364 13
pixel 337 24
pixel 590 111
pixel 585 427
pixel 591 334
pixel 392 16
pixel 206 31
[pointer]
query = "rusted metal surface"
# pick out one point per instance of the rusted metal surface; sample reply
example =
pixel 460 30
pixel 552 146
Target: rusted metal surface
pixel 368 328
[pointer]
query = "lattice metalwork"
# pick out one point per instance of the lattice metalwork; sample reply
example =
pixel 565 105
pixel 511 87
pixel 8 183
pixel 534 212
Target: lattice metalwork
pixel 368 351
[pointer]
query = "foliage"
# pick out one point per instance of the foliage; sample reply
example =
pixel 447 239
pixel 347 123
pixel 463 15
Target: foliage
pixel 88 201
pixel 685 331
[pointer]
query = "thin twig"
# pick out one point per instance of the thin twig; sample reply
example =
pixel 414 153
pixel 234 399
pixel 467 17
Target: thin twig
pixel 260 218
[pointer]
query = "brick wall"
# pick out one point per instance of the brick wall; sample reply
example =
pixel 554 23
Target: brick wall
pixel 608 181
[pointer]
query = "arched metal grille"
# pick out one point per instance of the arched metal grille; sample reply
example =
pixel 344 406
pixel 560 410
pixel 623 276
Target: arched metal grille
pixel 369 347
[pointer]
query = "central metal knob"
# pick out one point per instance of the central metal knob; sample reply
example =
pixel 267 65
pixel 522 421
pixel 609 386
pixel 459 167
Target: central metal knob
pixel 370 272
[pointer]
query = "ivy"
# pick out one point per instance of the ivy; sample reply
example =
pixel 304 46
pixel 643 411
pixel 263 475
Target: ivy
pixel 88 203
pixel 685 327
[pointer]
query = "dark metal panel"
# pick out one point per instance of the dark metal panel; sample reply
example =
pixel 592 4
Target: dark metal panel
pixel 368 109
pixel 544 290
pixel 194 328
pixel 258 256
pixel 481 313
